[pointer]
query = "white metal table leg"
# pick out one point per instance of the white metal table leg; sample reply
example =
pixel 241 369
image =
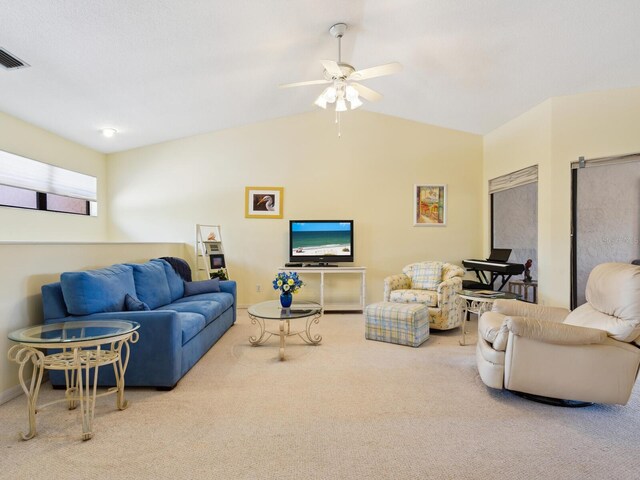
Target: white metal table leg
pixel 282 335
pixel 23 356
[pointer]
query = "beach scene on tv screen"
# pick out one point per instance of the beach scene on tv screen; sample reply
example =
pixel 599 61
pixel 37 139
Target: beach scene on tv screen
pixel 321 239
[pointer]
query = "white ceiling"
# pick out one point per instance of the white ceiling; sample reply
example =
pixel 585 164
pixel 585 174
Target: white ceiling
pixel 163 69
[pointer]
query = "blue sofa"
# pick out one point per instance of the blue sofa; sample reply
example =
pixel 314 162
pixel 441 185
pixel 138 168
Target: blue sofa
pixel 175 332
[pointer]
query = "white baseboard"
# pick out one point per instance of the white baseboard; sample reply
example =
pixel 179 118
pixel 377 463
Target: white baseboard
pixel 12 393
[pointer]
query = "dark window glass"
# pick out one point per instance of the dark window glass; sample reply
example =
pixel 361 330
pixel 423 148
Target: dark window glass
pixel 58 203
pixel 18 197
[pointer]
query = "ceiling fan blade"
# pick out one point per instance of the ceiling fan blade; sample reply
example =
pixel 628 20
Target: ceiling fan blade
pixel 366 92
pixel 332 68
pixel 302 84
pixel 378 71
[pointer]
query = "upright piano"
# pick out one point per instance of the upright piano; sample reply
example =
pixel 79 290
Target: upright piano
pixel 496 266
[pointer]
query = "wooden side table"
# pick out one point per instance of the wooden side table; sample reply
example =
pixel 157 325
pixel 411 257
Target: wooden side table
pixel 520 287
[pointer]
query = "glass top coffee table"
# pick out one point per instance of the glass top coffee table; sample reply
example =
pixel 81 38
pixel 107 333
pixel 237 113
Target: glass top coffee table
pixel 264 312
pixel 478 302
pixel 80 347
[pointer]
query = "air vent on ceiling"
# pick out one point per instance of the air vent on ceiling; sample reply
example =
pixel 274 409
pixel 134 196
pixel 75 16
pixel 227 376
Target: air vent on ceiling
pixel 11 62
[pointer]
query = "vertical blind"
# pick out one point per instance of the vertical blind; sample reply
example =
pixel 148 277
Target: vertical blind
pixel 21 172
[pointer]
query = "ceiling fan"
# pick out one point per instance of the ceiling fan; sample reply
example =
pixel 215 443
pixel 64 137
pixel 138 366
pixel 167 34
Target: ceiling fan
pixel 343 79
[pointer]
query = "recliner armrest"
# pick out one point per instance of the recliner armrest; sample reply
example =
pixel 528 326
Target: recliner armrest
pixel 517 308
pixel 553 332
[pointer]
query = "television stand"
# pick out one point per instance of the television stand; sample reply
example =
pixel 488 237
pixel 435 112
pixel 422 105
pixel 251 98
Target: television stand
pixel 334 269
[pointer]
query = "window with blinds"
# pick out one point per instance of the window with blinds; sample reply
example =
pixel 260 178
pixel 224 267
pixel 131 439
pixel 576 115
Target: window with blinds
pixel 26 183
pixel 514 215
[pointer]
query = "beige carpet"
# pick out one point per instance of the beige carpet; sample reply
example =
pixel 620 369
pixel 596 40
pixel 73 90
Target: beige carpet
pixel 348 408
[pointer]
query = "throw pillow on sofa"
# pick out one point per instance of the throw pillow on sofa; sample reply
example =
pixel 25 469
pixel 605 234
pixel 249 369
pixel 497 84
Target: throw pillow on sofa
pixel 132 304
pixel 203 286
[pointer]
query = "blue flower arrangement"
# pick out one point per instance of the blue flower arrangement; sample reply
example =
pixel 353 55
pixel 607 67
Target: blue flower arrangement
pixel 287 283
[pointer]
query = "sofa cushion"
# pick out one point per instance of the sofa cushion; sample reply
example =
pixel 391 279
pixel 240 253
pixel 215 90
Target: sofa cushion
pixel 151 283
pixel 619 329
pixel 175 282
pixel 191 324
pixel 96 291
pixel 427 297
pixel 202 286
pixel 223 298
pixel 426 275
pixel 132 304
pixel 209 310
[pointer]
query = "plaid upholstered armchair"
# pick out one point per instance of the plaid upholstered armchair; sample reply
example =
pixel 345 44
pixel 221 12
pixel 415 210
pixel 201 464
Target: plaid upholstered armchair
pixel 433 284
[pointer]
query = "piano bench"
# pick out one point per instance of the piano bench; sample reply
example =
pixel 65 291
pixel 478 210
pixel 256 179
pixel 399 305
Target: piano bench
pixel 400 323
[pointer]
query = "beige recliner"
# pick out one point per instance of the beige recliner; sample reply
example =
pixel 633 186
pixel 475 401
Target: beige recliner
pixel 591 354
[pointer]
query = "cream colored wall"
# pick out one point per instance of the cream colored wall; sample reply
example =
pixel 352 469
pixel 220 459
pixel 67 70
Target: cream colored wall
pixel 28 266
pixel 524 141
pixel 592 125
pixel 554 134
pixel 32 142
pixel 160 192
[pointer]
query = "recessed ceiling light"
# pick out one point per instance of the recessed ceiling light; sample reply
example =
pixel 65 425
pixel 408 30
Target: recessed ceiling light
pixel 108 132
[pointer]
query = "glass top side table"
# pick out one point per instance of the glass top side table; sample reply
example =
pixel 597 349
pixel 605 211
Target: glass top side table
pixel 80 347
pixel 478 302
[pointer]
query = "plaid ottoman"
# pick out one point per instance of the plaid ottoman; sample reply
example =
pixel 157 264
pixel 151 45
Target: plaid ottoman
pixel 402 323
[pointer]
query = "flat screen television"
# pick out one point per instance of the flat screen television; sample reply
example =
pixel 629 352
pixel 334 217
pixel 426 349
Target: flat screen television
pixel 320 241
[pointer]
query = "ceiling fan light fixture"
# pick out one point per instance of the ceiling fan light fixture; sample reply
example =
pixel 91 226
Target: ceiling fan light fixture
pixel 351 93
pixel 321 101
pixel 355 103
pixel 342 77
pixel 330 94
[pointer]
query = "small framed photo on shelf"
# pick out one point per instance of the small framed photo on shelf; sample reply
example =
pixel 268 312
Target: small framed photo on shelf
pixel 263 202
pixel 217 261
pixel 213 247
pixel 429 205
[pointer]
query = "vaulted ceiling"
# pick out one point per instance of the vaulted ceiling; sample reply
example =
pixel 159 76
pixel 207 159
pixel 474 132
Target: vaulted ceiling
pixel 157 70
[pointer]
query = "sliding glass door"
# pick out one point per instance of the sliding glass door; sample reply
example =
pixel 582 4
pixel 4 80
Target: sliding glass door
pixel 606 216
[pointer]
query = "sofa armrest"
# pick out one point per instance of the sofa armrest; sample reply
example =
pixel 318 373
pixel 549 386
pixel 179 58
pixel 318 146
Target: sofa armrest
pixel 158 352
pixel 395 282
pixel 553 332
pixel 228 286
pixel 517 308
